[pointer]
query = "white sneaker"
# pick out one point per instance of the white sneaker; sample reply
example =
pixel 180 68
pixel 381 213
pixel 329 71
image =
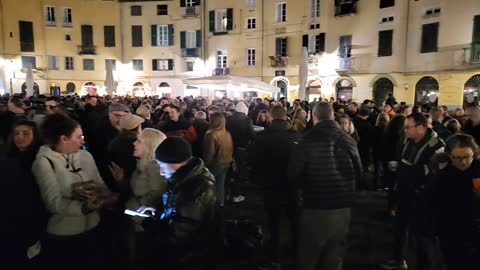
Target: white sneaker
pixel 238 198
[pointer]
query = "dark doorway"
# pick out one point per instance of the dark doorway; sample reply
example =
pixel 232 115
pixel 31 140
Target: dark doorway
pixel 36 89
pixel 426 92
pixel 381 89
pixel 283 88
pixel 471 91
pixel 344 90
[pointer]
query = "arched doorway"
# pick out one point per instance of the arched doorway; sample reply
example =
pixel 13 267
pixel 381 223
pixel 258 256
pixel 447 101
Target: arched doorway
pixel 381 89
pixel 90 88
pixel 138 89
pixel 471 91
pixel 426 92
pixel 283 88
pixel 313 90
pixel 36 89
pixel 164 89
pixel 344 90
pixel 71 88
pixel 55 89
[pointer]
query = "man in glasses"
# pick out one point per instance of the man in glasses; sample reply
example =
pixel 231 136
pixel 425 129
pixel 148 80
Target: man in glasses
pixel 413 173
pixel 51 105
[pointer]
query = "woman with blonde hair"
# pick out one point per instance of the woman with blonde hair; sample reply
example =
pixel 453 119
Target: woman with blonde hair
pixel 347 125
pixel 218 152
pixel 264 119
pixel 300 120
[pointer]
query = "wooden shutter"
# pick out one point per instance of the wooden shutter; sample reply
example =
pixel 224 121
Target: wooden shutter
pixel 229 19
pixel 429 38
pixel 27 42
pixel 211 20
pixel 305 41
pixel 87 35
pixel 171 35
pixel 170 64
pixel 154 35
pixel 320 43
pixel 109 31
pixel 183 40
pixel 154 64
pixel 197 2
pixel 476 29
pixel 182 3
pixel 385 43
pixel 137 39
pixel 199 39
pixel 278 46
pixel 284 46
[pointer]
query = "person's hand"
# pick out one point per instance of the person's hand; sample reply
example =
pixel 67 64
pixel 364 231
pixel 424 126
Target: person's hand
pixel 92 205
pixel 145 209
pixel 392 165
pixel 117 172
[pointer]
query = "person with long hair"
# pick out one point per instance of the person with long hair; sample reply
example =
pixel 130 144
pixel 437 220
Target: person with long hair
pixel 347 125
pixel 300 120
pixel 456 202
pixel 73 192
pixel 218 152
pixel 264 119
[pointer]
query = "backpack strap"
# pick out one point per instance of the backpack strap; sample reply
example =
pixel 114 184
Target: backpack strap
pixel 51 163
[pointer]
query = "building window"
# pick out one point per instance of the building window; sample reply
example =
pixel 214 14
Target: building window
pixel 112 63
pixel 315 8
pixel 53 63
pixel 162 64
pixel 50 16
pixel 314 43
pixel 251 57
pixel 251 4
pixel 27 42
pixel 162 35
pixel 281 12
pixel 434 12
pixel 192 3
pixel 137 39
pixel 221 58
pixel 137 64
pixel 387 19
pixel 136 10
pixel 429 38
pixel 221 21
pixel 29 61
pixel 162 9
pixel 385 39
pixel 109 35
pixel 191 39
pixel 68 37
pixel 69 63
pixel 251 23
pixel 88 65
pixel 281 47
pixel 189 66
pixel 387 3
pixel 67 17
pixel 315 26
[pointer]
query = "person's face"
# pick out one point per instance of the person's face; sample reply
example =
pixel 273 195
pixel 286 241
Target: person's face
pixel 51 105
pixel 459 113
pixel 352 108
pixel 387 108
pixel 263 117
pixel 23 137
pixel 166 170
pixel 345 124
pixel 115 117
pixel 407 111
pixel 163 102
pixel 139 148
pixel 412 130
pixel 73 143
pixel 462 157
pixel 302 114
pixel 174 115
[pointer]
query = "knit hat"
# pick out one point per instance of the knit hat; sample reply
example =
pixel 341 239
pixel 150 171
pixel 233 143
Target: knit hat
pixel 241 107
pixel 173 150
pixel 118 107
pixel 130 121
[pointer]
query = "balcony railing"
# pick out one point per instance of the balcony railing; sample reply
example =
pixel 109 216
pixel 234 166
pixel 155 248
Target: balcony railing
pixel 278 61
pixel 90 49
pixel 344 64
pixel 345 7
pixel 190 52
pixel 191 12
pixel 475 54
pixel 221 71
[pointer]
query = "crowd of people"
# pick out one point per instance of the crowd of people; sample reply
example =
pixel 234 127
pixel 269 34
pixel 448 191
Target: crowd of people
pixel 72 165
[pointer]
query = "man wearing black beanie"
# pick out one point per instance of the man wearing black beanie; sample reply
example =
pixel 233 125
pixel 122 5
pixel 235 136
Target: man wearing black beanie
pixel 186 229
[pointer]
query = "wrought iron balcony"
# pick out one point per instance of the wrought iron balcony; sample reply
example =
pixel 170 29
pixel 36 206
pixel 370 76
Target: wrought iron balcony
pixel 278 61
pixel 221 71
pixel 191 12
pixel 87 49
pixel 191 52
pixel 475 54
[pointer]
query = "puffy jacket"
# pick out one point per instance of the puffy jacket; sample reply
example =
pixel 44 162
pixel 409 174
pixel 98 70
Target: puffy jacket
pixel 187 227
pixel 325 166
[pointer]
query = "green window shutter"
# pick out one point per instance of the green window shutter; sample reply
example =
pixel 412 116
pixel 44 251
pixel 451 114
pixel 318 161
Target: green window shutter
pixel 154 64
pixel 305 41
pixel 429 38
pixel 229 19
pixel 170 64
pixel 284 46
pixel 385 43
pixel 182 3
pixel 476 29
pixel 183 40
pixel 199 39
pixel 211 20
pixel 197 2
pixel 154 35
pixel 320 43
pixel 278 46
pixel 171 35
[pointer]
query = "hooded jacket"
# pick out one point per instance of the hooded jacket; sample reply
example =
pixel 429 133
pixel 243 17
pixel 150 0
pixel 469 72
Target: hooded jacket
pixel 55 174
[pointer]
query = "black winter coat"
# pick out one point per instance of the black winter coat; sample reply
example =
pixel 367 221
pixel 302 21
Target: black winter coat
pixel 325 166
pixel 187 229
pixel 241 129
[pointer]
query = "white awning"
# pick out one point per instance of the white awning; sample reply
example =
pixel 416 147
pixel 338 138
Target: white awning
pixel 228 81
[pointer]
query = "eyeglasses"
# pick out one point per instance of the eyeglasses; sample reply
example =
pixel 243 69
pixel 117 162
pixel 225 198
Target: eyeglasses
pixel 408 127
pixel 462 158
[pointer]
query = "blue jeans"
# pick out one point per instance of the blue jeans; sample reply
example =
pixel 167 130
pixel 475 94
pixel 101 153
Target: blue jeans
pixel 219 171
